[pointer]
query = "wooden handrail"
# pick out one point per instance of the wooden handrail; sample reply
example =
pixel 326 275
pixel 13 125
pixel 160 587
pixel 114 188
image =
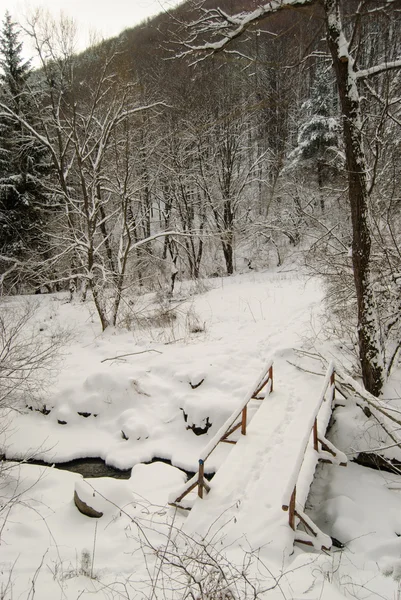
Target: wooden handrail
pixel 329 380
pixel 265 377
pixel 289 497
pixel 264 380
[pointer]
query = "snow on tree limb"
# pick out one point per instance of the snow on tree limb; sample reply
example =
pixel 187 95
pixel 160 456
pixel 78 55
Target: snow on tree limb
pixel 378 69
pixel 216 21
pixel 158 235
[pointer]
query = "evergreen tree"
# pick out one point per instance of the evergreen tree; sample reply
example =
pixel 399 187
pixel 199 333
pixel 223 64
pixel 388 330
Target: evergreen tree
pixel 318 138
pixel 22 160
pixel 15 71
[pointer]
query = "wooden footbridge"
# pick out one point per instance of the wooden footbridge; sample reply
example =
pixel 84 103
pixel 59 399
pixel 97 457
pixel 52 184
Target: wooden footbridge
pixel 278 451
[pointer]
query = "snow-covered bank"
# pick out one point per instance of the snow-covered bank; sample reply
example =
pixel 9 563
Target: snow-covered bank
pixel 144 394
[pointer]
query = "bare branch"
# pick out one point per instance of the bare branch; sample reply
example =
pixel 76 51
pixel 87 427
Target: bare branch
pixel 378 69
pixel 217 22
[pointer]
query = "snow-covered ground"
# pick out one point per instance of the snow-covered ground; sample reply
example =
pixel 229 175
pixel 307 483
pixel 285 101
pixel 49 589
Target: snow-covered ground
pixel 140 394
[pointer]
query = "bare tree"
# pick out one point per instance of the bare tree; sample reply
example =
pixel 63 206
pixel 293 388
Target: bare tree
pixel 228 171
pixel 88 134
pixel 182 203
pixel 341 42
pixel 27 359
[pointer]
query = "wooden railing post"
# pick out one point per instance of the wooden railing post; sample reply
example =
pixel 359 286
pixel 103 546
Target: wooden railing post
pixel 236 421
pixel 201 477
pixel 291 509
pixel 243 422
pixel 333 383
pixel 315 436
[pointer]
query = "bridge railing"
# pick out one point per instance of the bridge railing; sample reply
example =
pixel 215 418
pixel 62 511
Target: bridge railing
pixel 325 450
pixel 264 384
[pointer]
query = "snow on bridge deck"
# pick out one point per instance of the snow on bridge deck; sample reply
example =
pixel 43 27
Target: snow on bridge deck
pixel 249 489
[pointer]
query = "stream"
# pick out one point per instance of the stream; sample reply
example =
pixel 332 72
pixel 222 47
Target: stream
pixel 96 467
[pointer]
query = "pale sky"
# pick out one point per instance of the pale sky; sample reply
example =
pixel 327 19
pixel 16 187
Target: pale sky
pixel 105 17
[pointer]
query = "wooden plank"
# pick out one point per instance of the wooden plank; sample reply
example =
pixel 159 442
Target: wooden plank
pixel 310 527
pixel 230 431
pixel 243 420
pixel 315 436
pixel 201 477
pixel 187 491
pixel 291 512
pixel 300 517
pixel 230 428
pixel 263 384
pixel 333 383
pixel 326 448
pixel 175 505
pixel 304 542
pixel 310 543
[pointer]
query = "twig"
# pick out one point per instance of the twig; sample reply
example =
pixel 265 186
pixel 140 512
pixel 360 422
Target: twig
pixel 130 354
pixel 174 341
pixel 305 370
pixel 93 550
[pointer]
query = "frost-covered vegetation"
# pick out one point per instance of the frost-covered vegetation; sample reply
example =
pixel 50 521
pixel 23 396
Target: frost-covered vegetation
pixel 165 227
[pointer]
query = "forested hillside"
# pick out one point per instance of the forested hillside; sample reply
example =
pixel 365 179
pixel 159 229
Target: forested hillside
pixel 200 144
pixel 211 195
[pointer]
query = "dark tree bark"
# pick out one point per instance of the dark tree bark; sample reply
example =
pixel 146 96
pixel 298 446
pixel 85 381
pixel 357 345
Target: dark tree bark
pixel 224 30
pixel 368 329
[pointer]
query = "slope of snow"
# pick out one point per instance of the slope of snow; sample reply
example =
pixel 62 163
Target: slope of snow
pixel 133 389
pixel 146 393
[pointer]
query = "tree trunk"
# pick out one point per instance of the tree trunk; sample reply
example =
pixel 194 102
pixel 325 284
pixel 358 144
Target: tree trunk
pixel 320 182
pixel 103 229
pixel 227 240
pixel 368 328
pixel 101 310
pixel 228 253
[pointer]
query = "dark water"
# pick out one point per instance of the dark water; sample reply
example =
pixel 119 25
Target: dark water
pixel 96 467
pixel 88 467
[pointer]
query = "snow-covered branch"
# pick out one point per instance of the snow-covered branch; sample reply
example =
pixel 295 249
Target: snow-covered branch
pixel 159 235
pixel 378 69
pixel 229 27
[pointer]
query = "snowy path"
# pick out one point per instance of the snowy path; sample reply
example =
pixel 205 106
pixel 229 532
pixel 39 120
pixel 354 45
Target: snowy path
pixel 247 491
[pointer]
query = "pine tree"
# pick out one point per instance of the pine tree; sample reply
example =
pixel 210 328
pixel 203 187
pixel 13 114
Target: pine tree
pixel 319 135
pixel 21 158
pixel 15 71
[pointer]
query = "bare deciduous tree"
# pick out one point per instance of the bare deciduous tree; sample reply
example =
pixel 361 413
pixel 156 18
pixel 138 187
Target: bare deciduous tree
pixel 28 357
pixel 87 131
pixel 341 42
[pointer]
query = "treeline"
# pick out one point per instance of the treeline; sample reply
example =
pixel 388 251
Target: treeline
pixel 135 163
